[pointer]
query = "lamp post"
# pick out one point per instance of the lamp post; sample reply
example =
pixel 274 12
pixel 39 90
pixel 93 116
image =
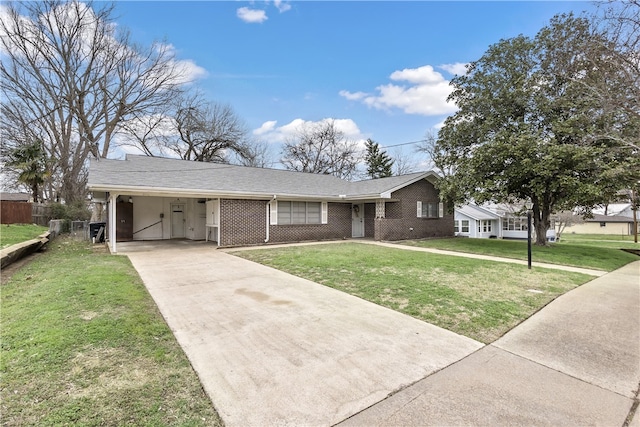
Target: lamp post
pixel 528 205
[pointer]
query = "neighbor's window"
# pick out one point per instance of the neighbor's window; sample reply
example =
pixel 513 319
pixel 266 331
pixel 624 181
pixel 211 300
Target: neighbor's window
pixel 465 226
pixel 456 226
pixel 603 224
pixel 484 226
pixel 299 213
pixel 514 224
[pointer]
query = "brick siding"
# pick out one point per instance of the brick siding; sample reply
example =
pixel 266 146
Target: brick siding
pixel 243 222
pixel 369 216
pixel 401 221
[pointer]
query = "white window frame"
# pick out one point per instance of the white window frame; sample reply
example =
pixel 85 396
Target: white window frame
pixel 462 226
pixel 275 212
pixel 429 209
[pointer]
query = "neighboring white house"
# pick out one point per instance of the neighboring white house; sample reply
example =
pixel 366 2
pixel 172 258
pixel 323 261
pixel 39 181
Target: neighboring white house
pixel 474 221
pixel 492 221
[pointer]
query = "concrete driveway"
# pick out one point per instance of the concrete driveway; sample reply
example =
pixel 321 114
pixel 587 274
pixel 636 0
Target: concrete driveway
pixel 272 349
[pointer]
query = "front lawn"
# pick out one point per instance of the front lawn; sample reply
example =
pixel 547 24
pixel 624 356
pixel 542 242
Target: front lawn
pixel 475 298
pixel 10 234
pixel 599 240
pixel 565 253
pixel 84 344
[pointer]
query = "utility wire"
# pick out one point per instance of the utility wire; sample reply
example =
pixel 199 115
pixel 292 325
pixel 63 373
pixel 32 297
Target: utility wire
pixel 403 143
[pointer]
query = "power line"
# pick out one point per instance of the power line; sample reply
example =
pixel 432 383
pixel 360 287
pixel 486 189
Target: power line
pixel 404 143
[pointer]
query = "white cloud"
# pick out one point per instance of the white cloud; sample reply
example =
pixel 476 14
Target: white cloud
pixel 355 96
pixel 426 94
pixel 252 16
pixel 265 128
pixel 457 69
pixel 439 125
pixel 269 132
pixel 282 6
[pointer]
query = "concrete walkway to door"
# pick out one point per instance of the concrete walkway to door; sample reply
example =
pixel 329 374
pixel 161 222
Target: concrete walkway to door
pixel 274 349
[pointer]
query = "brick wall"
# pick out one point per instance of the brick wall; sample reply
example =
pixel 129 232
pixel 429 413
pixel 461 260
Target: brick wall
pixel 338 227
pixel 369 215
pixel 243 222
pixel 401 216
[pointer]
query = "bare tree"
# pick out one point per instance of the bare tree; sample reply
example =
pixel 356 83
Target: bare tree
pixel 564 219
pixel 404 162
pixel 192 128
pixel 257 154
pixel 207 131
pixel 72 76
pixel 614 51
pixel 322 148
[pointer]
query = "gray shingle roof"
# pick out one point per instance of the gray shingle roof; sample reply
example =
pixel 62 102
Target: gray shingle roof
pixel 476 212
pixel 143 173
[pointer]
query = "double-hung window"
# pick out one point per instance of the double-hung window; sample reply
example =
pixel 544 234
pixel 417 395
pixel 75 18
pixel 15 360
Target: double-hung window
pixel 284 212
pixel 430 210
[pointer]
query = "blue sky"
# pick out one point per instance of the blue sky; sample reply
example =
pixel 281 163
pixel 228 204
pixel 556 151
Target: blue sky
pixel 380 69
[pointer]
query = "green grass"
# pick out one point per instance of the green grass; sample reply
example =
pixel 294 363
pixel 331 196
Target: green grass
pixel 599 257
pixel 599 240
pixel 10 234
pixel 475 298
pixel 84 344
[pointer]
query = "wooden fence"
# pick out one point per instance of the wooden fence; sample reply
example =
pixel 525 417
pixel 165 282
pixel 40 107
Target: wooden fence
pixel 41 214
pixel 24 213
pixel 15 212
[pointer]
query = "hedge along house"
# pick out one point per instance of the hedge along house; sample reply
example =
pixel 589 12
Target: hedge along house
pixel 152 198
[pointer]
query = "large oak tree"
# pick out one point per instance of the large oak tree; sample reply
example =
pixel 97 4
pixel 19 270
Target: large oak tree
pixel 526 131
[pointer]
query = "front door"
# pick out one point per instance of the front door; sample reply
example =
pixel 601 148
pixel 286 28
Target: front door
pixel 177 221
pixel 124 219
pixel 357 220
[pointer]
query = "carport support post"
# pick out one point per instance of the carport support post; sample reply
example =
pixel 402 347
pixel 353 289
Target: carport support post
pixel 112 222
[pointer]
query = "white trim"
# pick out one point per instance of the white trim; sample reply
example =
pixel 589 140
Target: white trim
pixel 440 210
pixel 324 213
pixel 419 206
pixel 273 213
pixel 112 221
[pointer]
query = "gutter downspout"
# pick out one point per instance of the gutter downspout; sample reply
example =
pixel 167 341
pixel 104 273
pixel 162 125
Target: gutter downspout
pixel 268 208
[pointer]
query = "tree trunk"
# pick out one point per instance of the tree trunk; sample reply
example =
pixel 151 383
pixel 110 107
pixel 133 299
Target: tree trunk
pixel 542 222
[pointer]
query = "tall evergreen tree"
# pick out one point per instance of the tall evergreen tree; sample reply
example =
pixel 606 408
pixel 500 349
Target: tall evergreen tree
pixel 527 131
pixel 379 164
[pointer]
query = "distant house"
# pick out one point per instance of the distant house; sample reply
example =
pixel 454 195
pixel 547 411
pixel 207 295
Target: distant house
pixel 15 197
pixel 475 221
pixel 151 198
pixel 491 221
pixel 621 225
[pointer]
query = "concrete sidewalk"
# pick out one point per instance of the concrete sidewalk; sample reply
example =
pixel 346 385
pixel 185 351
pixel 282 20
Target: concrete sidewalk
pixel 273 349
pixel 589 271
pixel 576 362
